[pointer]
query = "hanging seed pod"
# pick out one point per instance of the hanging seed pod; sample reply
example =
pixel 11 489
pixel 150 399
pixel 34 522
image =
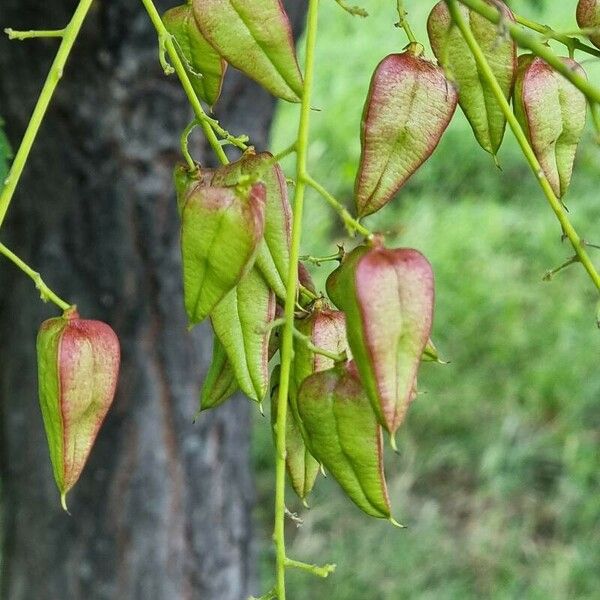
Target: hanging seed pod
pixel 241 321
pixel 78 368
pixel 204 66
pixel 344 436
pixel 409 106
pixel 255 37
pixel 552 112
pixel 588 17
pixel 388 298
pixel 273 258
pixel 301 466
pixel 220 382
pixel 475 95
pixel 221 232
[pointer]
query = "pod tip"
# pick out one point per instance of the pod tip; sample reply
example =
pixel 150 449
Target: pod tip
pixel 396 524
pixel 63 502
pixel 393 443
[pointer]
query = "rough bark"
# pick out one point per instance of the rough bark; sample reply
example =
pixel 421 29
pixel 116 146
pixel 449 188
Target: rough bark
pixel 163 510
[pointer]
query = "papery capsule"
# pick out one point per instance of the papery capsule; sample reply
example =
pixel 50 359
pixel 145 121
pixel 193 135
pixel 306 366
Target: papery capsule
pixel 388 297
pixel 241 321
pixel 204 66
pixel 409 106
pixel 221 232
pixel 588 17
pixel 343 434
pixel 273 258
pixel 255 36
pixel 475 95
pixel 552 112
pixel 78 368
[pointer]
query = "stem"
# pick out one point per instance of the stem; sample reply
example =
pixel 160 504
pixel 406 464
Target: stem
pixel 314 569
pixel 334 356
pixel 178 66
pixel 570 42
pixel 185 150
pixel 291 291
pixel 528 41
pixel 403 22
pixel 70 34
pixel 355 11
pixel 351 223
pixel 484 68
pixel 13 34
pixel 45 292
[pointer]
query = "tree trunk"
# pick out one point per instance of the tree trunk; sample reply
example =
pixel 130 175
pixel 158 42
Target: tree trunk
pixel 163 510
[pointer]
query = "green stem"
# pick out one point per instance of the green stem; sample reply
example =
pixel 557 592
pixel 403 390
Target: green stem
pixel 291 291
pixel 13 34
pixel 484 68
pixel 355 11
pixel 334 356
pixel 45 292
pixel 185 145
pixel 524 39
pixel 570 42
pixel 403 22
pixel 205 121
pixel 70 34
pixel 324 571
pixel 351 223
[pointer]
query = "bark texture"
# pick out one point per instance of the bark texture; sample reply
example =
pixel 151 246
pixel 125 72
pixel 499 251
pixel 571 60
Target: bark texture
pixel 163 511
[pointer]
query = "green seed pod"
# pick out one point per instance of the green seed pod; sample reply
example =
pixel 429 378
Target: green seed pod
pixel 78 368
pixel 256 38
pixel 204 65
pixel 220 382
pixel 301 466
pixel 221 231
pixel 475 95
pixel 409 106
pixel 273 257
pixel 388 298
pixel 185 182
pixel 345 437
pixel 241 321
pixel 588 17
pixel 552 112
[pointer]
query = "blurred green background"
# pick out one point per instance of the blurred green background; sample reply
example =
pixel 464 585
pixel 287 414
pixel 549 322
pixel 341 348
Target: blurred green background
pixel 498 477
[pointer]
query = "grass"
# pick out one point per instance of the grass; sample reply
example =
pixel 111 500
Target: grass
pixel 498 476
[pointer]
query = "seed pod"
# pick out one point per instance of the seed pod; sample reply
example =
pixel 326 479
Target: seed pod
pixel 256 38
pixel 301 466
pixel 475 95
pixel 78 368
pixel 221 233
pixel 345 437
pixel 588 17
pixel 409 106
pixel 220 383
pixel 241 321
pixel 186 181
pixel 204 66
pixel 388 297
pixel 273 257
pixel 552 112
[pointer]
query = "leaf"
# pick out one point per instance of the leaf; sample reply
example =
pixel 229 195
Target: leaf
pixel 408 108
pixel 475 95
pixel 241 321
pixel 552 112
pixel 388 298
pixel 204 65
pixel 255 36
pixel 345 437
pixel 221 232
